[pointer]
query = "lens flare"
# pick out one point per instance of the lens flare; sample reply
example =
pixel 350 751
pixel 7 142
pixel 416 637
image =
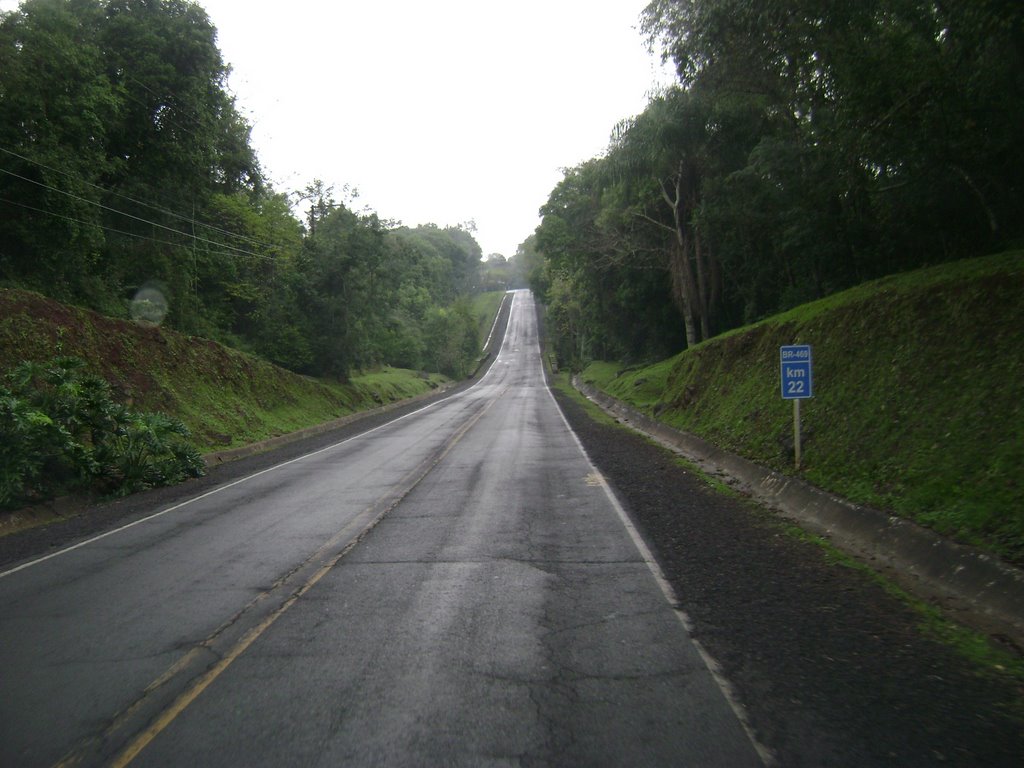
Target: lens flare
pixel 149 306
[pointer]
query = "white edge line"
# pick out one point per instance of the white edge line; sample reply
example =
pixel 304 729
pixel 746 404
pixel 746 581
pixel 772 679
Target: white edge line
pixel 763 752
pixel 239 481
pixel 496 316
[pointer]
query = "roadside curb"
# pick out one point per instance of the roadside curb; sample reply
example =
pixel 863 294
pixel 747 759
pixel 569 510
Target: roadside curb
pixel 487 356
pixel 977 588
pixel 251 449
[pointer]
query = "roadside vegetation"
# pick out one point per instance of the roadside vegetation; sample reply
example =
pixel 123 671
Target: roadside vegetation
pixel 804 151
pixel 988 657
pixel 485 309
pixel 62 431
pixel 125 407
pixel 919 396
pixel 228 312
pixel 816 176
pixel 237 312
pixel 991 659
pixel 807 148
pixel 130 187
pixel 226 398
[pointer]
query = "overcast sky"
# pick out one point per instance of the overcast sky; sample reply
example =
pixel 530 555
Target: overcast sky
pixel 442 112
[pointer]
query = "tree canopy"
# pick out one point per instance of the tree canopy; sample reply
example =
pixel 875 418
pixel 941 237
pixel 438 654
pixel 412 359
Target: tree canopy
pixel 128 182
pixel 807 147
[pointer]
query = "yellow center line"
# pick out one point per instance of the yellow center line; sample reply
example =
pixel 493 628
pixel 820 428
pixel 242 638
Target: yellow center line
pixel 168 716
pixel 180 704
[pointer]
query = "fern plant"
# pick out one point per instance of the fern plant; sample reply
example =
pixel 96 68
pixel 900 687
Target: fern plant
pixel 61 430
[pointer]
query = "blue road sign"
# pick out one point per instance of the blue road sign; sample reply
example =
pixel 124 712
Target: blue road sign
pixel 795 364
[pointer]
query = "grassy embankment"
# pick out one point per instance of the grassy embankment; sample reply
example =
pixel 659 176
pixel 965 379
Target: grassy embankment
pixel 225 397
pixel 485 308
pixel 919 396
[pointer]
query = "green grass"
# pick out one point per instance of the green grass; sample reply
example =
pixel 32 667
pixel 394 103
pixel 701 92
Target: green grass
pixel 975 647
pixel 562 382
pixel 987 658
pixel 225 397
pixel 919 396
pixel 642 386
pixel 485 308
pixel 390 384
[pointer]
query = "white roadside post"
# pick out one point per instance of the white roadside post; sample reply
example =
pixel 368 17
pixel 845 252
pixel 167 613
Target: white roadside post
pixel 797 383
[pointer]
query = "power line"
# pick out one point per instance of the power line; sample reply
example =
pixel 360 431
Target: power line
pixel 166 100
pixel 117 231
pixel 151 206
pixel 131 216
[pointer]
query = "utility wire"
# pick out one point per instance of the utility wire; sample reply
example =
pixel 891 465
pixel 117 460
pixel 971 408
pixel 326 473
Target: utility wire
pixel 115 230
pixel 161 98
pixel 131 216
pixel 151 206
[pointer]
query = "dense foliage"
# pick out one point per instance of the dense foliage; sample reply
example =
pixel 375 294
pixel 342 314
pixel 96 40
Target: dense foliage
pixel 61 430
pixel 128 185
pixel 920 411
pixel 808 147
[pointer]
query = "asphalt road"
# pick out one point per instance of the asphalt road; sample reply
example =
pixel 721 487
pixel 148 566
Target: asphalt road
pixel 457 586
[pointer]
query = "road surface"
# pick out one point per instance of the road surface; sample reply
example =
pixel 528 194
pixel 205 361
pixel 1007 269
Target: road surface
pixel 458 587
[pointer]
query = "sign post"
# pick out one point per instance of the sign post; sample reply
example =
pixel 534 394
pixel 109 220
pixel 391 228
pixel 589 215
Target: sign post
pixel 797 383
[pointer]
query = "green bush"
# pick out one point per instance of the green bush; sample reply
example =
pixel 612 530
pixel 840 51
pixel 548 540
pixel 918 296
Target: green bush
pixel 146 450
pixel 61 431
pixel 452 340
pixel 34 450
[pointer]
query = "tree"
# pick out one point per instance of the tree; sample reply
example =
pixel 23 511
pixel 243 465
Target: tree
pixel 451 339
pixel 668 144
pixel 116 131
pixel 496 273
pixel 527 265
pixel 179 142
pixel 124 165
pixel 343 255
pixel 179 127
pixel 56 106
pixel 251 277
pixel 604 272
pixel 808 147
pixel 887 98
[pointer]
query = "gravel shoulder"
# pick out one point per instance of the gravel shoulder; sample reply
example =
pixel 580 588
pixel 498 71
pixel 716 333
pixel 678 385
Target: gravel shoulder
pixel 832 669
pixel 79 519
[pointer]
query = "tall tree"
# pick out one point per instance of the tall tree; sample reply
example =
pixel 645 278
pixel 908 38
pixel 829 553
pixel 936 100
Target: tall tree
pixel 668 145
pixel 56 109
pixel 116 131
pixel 604 273
pixel 179 126
pixel 124 165
pixel 178 143
pixel 911 104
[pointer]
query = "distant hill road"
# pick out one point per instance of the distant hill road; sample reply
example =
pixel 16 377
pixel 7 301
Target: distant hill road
pixel 456 586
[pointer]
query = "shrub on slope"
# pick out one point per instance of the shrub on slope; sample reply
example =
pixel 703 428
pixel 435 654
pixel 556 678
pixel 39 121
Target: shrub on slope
pixel 224 397
pixel 919 396
pixel 61 431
